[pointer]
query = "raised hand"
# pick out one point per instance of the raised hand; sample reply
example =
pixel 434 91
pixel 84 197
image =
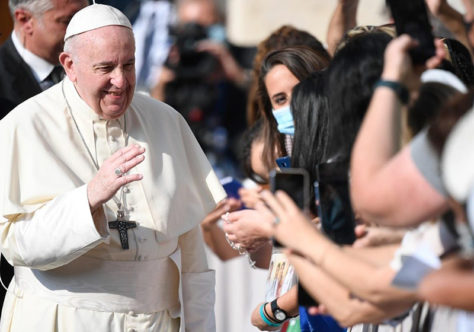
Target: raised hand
pixel 113 174
pixel 398 65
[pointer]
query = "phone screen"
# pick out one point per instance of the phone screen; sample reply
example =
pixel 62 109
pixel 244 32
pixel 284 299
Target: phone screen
pixel 411 17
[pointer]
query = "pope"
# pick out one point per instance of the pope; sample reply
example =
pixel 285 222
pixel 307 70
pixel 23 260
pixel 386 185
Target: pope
pixel 102 192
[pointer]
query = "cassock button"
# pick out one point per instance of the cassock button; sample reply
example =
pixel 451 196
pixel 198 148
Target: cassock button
pixel 132 330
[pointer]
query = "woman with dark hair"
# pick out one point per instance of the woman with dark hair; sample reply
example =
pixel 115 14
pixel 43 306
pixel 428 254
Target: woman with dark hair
pixel 285 36
pixel 309 109
pixel 352 76
pixel 280 71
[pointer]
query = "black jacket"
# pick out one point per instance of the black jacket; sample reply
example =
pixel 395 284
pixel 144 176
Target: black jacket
pixel 17 82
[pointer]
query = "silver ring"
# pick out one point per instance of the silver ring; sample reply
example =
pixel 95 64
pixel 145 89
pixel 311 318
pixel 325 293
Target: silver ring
pixel 276 221
pixel 118 172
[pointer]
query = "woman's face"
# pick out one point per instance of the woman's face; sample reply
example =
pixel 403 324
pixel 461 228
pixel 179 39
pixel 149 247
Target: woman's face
pixel 279 83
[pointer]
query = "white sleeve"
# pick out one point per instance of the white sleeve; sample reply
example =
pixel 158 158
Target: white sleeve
pixel 198 283
pixel 56 234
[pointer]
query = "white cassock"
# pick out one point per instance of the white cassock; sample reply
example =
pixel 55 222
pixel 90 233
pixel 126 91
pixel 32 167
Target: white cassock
pixel 70 276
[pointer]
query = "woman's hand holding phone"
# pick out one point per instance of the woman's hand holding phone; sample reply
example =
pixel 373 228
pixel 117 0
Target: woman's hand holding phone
pixel 398 65
pixel 292 228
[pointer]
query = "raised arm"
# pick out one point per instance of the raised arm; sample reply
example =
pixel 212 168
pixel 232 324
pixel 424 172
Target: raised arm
pixel 452 19
pixel 343 19
pixel 386 186
pixel 339 301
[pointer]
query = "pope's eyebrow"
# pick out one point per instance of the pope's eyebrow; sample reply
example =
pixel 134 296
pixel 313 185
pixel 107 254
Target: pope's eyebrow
pixel 104 64
pixel 110 63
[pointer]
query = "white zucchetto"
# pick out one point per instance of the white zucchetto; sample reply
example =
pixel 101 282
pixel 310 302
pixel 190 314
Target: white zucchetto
pixel 93 17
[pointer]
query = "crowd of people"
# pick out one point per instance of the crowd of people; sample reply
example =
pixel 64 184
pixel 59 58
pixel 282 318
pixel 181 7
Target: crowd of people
pixel 109 196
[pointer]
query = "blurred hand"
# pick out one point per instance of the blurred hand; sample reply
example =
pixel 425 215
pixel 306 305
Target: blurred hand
pixel 398 65
pixel 230 68
pixel 372 236
pixel 105 184
pixel 304 268
pixel 224 206
pixel 166 75
pixel 435 6
pixel 248 228
pixel 250 196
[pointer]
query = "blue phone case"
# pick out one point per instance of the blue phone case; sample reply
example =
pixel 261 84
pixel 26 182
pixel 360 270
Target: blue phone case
pixel 284 162
pixel 231 186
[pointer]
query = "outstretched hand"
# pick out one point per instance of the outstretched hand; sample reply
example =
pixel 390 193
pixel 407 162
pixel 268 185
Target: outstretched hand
pixel 224 206
pixel 248 229
pixel 106 182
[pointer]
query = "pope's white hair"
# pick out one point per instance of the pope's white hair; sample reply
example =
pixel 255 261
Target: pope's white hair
pixel 36 7
pixel 70 46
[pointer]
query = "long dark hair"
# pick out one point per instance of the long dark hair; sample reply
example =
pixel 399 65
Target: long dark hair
pixel 351 77
pixel 309 105
pixel 301 62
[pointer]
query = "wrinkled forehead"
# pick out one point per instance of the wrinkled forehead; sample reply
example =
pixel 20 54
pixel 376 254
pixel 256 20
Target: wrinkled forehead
pixel 105 42
pixel 105 36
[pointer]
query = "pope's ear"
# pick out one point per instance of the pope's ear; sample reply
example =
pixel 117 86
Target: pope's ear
pixel 67 62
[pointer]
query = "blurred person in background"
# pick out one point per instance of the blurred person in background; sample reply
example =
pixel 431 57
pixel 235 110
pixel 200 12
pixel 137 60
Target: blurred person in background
pixel 29 59
pixel 205 82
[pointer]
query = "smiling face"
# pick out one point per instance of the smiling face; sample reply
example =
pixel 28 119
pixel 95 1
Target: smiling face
pixel 279 82
pixel 101 63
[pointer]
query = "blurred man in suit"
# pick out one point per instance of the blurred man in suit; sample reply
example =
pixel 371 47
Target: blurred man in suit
pixel 29 59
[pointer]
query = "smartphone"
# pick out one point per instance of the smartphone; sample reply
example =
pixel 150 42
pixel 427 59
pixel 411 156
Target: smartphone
pixel 411 17
pixel 295 182
pixel 231 186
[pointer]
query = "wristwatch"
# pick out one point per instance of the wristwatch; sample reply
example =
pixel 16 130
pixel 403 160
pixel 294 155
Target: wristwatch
pixel 279 314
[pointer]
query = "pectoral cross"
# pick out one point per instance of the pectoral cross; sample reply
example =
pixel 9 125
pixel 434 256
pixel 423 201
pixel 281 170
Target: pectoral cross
pixel 122 226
